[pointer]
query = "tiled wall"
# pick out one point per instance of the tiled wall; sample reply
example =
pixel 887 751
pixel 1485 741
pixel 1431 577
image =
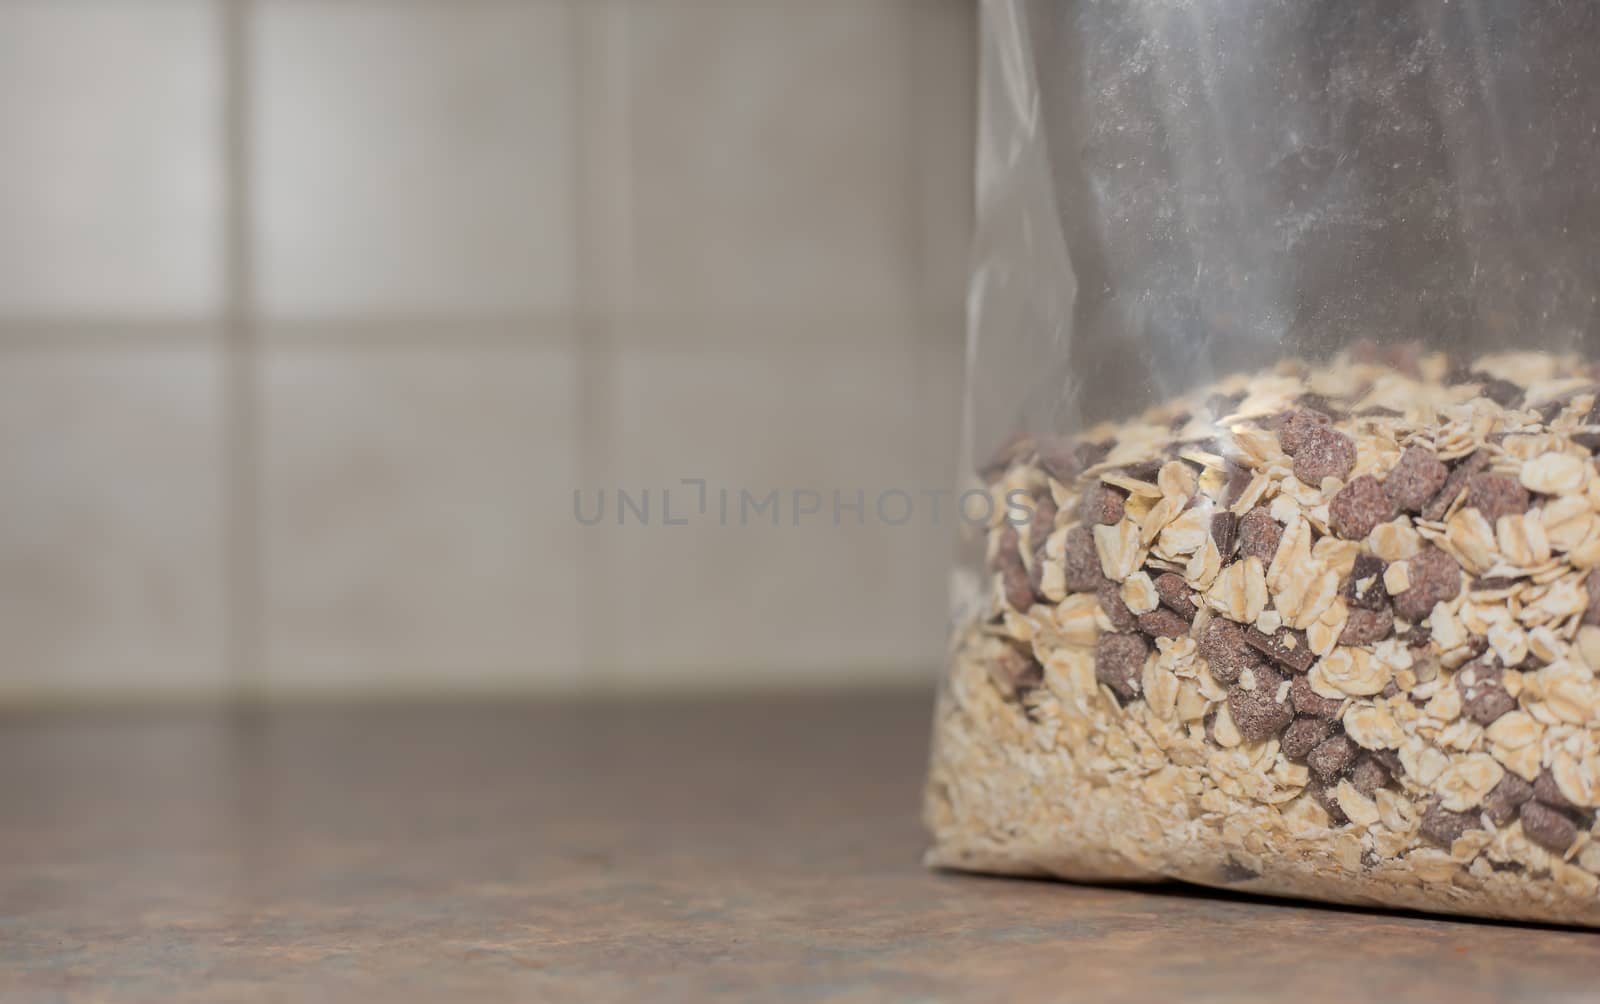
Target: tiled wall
pixel 313 313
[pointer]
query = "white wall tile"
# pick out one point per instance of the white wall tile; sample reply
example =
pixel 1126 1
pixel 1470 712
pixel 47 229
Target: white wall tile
pixel 417 519
pixel 414 157
pixel 110 184
pixel 770 156
pixel 755 605
pixel 414 162
pixel 111 567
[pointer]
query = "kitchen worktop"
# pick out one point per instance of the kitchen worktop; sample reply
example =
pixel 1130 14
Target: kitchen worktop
pixel 740 849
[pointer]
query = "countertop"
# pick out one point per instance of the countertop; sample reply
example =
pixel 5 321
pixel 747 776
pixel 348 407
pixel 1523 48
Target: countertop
pixel 736 849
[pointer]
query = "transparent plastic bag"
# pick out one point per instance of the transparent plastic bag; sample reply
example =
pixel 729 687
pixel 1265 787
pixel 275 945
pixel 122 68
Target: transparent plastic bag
pixel 1283 389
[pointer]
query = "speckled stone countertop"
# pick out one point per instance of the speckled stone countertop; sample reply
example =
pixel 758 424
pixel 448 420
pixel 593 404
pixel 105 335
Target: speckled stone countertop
pixel 679 851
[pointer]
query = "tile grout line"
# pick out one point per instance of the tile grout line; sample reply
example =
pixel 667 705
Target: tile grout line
pixel 593 435
pixel 241 471
pixel 116 333
pixel 923 316
pixel 927 313
pixel 916 136
pixel 916 180
pixel 605 250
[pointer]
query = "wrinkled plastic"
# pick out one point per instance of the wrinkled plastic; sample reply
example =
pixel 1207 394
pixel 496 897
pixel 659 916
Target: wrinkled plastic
pixel 1172 192
pixel 1169 192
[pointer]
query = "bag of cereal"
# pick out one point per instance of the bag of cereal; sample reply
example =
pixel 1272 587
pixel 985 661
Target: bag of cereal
pixel 1282 386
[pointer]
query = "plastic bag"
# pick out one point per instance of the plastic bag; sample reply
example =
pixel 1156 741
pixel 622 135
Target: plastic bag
pixel 1283 407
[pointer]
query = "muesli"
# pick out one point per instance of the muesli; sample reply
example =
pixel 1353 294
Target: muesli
pixel 1323 631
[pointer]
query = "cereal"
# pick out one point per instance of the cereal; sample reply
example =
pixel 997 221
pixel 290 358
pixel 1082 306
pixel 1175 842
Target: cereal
pixel 1303 734
pixel 1044 520
pixel 1298 426
pixel 1015 673
pixel 1116 609
pixel 1307 701
pixel 1259 535
pixel 1324 453
pixel 1432 577
pixel 1365 587
pixel 1103 505
pixel 1415 479
pixel 1368 775
pixel 1174 593
pixel 1455 483
pixel 1548 828
pixel 1496 495
pixel 1014 577
pixel 1445 827
pixel 1225 533
pixel 1082 561
pixel 1546 790
pixel 1360 505
pixel 1501 804
pixel 1018 587
pixel 1483 694
pixel 1119 663
pixel 1333 756
pixel 1364 627
pixel 1286 647
pixel 1346 638
pixel 1501 392
pixel 1163 623
pixel 1225 650
pixel 1259 710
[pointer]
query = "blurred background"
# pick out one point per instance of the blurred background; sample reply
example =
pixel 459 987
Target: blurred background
pixel 314 315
